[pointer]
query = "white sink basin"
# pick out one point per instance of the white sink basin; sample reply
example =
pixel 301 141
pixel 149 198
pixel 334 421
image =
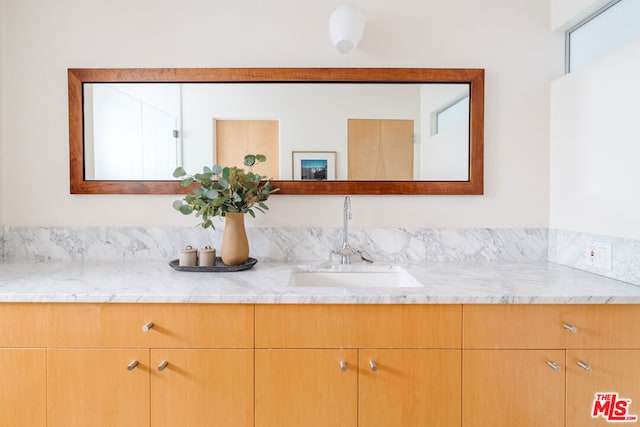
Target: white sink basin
pixel 394 277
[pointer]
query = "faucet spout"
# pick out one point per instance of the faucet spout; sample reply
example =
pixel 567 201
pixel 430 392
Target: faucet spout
pixel 345 252
pixel 347 217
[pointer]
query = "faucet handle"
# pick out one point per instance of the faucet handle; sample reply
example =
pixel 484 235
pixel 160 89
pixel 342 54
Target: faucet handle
pixel 364 258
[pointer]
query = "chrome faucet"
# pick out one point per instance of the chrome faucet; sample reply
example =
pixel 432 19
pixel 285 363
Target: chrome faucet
pixel 345 252
pixel 347 217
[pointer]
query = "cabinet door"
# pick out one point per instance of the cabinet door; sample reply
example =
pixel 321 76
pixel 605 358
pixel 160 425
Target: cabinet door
pixel 409 388
pixel 96 388
pixel 306 388
pixel 23 387
pixel 513 388
pixel 202 387
pixel 602 371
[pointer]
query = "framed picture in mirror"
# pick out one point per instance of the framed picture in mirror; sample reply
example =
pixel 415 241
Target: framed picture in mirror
pixel 313 165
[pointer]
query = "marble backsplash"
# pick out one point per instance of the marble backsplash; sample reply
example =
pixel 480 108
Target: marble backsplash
pixel 569 247
pixel 279 244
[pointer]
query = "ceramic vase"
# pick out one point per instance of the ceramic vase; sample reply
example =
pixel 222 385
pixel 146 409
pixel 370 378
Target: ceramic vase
pixel 235 246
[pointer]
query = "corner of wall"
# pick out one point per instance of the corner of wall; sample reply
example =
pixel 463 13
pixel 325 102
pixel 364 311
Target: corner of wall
pixel 568 248
pixel 2 49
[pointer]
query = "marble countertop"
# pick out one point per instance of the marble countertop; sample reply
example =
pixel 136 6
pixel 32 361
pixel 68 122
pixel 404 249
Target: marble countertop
pixel 443 283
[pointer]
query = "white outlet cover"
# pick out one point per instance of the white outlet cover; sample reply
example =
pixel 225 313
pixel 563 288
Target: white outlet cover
pixel 602 257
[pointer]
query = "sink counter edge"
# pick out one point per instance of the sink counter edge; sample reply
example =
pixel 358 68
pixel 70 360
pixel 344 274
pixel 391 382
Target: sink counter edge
pixel 266 283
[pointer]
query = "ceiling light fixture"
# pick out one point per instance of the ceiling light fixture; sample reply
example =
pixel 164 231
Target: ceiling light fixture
pixel 346 26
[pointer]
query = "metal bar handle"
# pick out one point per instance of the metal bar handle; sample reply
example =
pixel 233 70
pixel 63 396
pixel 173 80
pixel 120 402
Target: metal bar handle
pixel 554 366
pixel 373 366
pixel 343 365
pixel 132 365
pixel 584 365
pixel 570 328
pixel 147 326
pixel 162 365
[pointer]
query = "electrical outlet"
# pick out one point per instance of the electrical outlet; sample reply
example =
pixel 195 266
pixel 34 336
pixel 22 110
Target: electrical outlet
pixel 598 255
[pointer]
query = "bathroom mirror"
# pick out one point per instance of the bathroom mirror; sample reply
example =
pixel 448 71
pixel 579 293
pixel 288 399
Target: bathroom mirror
pixel 325 131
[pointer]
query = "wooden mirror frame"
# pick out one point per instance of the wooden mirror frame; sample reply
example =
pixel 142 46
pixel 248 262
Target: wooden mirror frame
pixel 474 77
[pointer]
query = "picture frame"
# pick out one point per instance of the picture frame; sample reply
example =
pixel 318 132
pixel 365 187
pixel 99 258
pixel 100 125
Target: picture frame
pixel 313 165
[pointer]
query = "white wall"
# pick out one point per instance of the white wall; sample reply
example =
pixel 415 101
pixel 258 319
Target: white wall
pixel 311 117
pixel 568 13
pixel 2 27
pixel 445 155
pixel 509 38
pixel 595 147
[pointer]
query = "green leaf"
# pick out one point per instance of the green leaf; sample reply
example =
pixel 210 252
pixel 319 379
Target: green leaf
pixel 263 206
pixel 249 160
pixel 212 194
pixel 185 209
pixel 251 213
pixel 202 176
pixel 207 224
pixel 186 182
pixel 206 169
pixel 226 172
pixel 261 157
pixel 177 204
pixel 179 172
pixel 223 183
pixel 216 170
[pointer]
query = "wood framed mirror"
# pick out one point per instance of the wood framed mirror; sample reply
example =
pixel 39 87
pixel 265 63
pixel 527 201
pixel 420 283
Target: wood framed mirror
pixel 360 91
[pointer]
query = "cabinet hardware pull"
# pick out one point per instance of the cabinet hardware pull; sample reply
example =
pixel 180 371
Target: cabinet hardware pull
pixel 343 365
pixel 570 328
pixel 147 326
pixel 584 366
pixel 373 366
pixel 554 366
pixel 132 365
pixel 162 365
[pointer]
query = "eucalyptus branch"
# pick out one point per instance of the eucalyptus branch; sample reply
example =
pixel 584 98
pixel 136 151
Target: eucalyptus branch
pixel 219 190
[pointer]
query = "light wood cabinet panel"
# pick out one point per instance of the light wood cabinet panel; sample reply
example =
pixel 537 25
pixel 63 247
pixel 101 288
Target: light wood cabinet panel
pixel 174 325
pixel 380 149
pixel 610 371
pixel 95 388
pixel 23 325
pixel 514 326
pixel 358 326
pixel 543 326
pixel 237 138
pixel 23 395
pixel 506 388
pixel 202 387
pixel 410 388
pixel 306 388
pixel 603 326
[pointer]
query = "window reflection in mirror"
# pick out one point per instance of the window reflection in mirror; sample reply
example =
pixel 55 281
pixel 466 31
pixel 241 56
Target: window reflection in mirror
pixel 393 132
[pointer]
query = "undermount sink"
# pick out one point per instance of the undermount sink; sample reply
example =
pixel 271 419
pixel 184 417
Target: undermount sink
pixel 394 277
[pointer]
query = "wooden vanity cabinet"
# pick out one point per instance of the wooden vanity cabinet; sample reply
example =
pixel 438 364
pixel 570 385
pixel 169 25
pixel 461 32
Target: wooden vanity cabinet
pixel 193 363
pixel 541 365
pixel 22 365
pixel 401 365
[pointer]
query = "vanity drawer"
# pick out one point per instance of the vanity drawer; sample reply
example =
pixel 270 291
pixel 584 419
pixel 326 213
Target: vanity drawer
pixel 551 326
pixel 174 325
pixel 358 326
pixel 23 325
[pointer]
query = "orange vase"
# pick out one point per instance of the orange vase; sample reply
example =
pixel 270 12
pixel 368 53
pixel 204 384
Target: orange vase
pixel 235 246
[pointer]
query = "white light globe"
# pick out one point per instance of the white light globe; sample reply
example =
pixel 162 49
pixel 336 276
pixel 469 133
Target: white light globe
pixel 346 26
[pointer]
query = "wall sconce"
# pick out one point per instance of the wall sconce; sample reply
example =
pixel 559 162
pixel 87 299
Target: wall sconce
pixel 346 26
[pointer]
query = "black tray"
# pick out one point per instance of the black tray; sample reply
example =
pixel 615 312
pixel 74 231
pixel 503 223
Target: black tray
pixel 220 266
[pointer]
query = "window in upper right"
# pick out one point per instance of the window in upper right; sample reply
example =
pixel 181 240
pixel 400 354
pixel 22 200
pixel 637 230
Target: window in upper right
pixel 611 27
